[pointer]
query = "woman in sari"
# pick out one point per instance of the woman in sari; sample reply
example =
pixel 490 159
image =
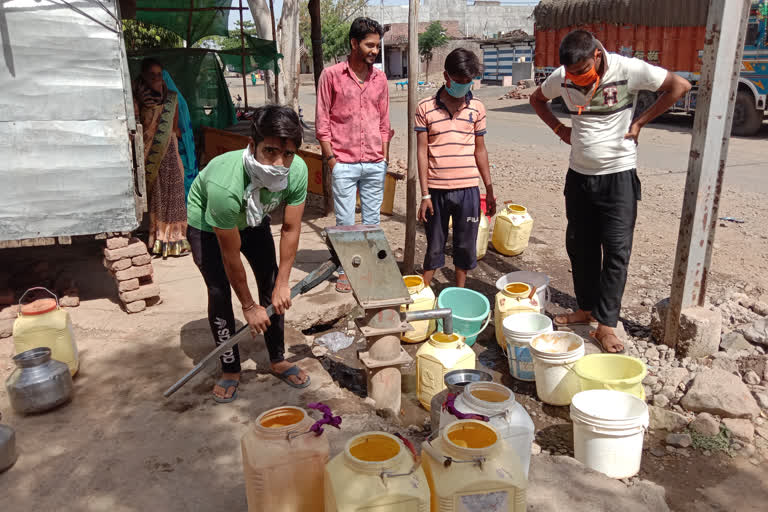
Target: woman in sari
pixel 157 110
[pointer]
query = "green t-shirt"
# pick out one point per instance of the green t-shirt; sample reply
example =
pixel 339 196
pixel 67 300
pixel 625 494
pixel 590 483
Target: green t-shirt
pixel 216 198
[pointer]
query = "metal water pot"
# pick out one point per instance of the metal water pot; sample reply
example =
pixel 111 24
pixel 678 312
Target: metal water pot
pixel 7 447
pixel 39 383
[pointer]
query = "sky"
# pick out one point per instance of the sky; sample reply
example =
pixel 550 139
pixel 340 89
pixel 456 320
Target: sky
pixel 279 7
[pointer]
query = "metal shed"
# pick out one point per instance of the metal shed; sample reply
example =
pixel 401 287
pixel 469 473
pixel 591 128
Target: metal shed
pixel 507 57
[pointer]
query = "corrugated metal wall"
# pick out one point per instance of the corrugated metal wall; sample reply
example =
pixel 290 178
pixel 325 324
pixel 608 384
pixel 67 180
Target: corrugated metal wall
pixel 498 59
pixel 65 114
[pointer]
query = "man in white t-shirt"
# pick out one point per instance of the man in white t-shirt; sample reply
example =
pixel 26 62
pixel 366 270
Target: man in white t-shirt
pixel 602 187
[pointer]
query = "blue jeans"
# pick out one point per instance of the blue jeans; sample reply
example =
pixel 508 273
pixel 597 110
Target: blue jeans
pixel 369 177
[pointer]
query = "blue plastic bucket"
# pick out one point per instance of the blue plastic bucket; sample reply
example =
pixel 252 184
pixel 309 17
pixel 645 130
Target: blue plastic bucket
pixel 519 330
pixel 471 312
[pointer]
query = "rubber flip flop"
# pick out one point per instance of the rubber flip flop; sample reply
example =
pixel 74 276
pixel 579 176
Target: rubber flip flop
pixel 566 324
pixel 342 285
pixel 293 370
pixel 226 384
pixel 593 335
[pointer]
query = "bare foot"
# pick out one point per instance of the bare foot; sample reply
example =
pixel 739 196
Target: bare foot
pixel 608 339
pixel 282 366
pixel 577 317
pixel 226 393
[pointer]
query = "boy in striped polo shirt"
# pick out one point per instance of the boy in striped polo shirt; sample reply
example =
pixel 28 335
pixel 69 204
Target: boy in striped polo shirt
pixel 452 158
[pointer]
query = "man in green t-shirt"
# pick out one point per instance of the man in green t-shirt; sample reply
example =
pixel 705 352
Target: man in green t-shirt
pixel 228 214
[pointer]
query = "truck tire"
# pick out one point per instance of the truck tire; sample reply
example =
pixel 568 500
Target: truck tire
pixel 747 120
pixel 645 99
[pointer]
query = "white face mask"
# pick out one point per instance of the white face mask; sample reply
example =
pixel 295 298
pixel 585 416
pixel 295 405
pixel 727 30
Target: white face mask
pixel 272 177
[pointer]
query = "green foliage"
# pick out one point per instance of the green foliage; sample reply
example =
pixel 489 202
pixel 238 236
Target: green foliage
pixel 230 42
pixel 140 35
pixel 336 17
pixel 719 443
pixel 431 39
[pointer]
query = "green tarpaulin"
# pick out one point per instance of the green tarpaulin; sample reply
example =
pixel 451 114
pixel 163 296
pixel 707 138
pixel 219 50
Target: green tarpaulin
pixel 190 25
pixel 262 55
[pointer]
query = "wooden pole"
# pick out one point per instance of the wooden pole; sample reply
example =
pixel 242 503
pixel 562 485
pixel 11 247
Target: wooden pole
pixel 411 206
pixel 242 56
pixel 274 38
pixel 317 38
pixel 721 63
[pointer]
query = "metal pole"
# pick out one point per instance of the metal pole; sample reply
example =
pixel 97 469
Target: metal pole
pixel 242 55
pixel 721 63
pixel 411 206
pixel 274 38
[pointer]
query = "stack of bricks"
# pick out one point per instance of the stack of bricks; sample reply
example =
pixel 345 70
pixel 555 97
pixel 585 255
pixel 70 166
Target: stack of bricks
pixel 130 263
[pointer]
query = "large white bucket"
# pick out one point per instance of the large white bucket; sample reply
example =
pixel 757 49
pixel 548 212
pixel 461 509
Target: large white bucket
pixel 540 280
pixel 553 354
pixel 608 430
pixel 519 330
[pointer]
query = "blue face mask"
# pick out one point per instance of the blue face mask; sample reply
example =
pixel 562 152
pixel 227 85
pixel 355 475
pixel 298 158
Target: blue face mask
pixel 458 90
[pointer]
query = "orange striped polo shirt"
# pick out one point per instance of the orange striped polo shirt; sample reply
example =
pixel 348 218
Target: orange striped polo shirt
pixel 451 141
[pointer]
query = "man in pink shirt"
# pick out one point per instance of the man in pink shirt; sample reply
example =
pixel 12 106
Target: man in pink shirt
pixel 352 125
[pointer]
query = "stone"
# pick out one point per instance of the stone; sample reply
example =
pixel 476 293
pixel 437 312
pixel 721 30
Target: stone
pixel 69 301
pixel 658 451
pixel 555 480
pixel 663 419
pixel 699 333
pixel 722 393
pixel 762 399
pixel 141 260
pixel 650 380
pixel 535 449
pixel 679 440
pixel 319 351
pixel 114 266
pixel 118 242
pixel 134 272
pixel 6 327
pixel 761 308
pixel 135 248
pixel 669 391
pixel 756 332
pixel 726 365
pixel 652 353
pixel 141 293
pixel 734 342
pixel 741 430
pixel 136 307
pixel 660 401
pixel 9 312
pixel 127 286
pixel 751 378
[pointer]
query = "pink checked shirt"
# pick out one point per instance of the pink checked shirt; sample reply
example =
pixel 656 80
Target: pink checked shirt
pixel 353 117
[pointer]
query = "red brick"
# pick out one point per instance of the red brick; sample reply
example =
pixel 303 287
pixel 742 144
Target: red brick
pixel 135 248
pixel 114 266
pixel 136 306
pixel 141 260
pixel 117 243
pixel 134 272
pixel 129 285
pixel 143 292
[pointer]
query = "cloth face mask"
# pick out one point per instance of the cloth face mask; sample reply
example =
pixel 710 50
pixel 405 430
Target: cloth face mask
pixel 272 177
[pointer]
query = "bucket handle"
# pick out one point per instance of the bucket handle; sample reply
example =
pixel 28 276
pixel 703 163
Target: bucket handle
pixel 39 288
pixel 416 461
pixel 446 460
pixel 487 320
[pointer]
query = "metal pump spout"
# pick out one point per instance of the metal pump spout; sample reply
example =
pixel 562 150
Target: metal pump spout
pixel 446 314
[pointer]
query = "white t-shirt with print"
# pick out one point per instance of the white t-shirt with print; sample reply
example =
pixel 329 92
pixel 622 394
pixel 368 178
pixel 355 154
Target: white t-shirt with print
pixel 598 145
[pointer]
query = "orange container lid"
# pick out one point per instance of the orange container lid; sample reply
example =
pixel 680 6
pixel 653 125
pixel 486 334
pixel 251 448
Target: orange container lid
pixel 39 306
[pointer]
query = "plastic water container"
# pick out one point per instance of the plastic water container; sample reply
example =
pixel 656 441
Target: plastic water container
pixel 519 330
pixel 455 381
pixel 614 372
pixel 283 471
pixel 373 474
pixel 43 323
pixel 512 230
pixel 538 280
pixel 553 357
pixel 483 474
pixel 471 312
pixel 423 300
pixel 608 431
pixel 441 354
pixel 513 299
pixel 507 416
pixel 483 236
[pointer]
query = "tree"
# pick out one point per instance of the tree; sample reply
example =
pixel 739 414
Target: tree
pixel 337 16
pixel 232 41
pixel 140 35
pixel 430 40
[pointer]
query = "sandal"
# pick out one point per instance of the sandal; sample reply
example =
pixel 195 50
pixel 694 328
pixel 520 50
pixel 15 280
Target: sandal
pixel 226 384
pixel 565 320
pixel 593 335
pixel 285 377
pixel 342 284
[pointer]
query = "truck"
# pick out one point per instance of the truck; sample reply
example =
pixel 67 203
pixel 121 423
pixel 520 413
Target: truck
pixel 664 33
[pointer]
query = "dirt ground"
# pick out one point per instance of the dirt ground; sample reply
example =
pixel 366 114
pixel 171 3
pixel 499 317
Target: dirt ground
pixel 120 446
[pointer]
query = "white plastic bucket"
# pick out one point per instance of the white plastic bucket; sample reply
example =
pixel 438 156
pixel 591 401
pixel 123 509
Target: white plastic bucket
pixel 519 330
pixel 608 430
pixel 553 354
pixel 538 279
